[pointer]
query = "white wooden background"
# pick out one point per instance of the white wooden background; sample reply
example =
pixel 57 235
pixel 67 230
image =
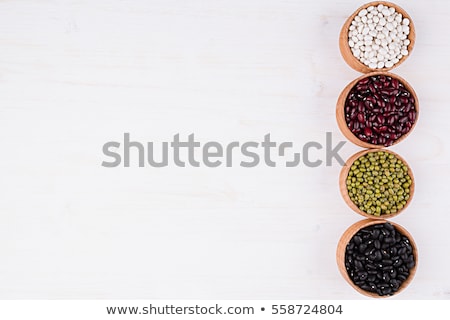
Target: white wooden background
pixel 77 73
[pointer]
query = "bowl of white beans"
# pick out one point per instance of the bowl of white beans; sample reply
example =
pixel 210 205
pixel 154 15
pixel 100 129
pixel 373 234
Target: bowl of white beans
pixel 378 36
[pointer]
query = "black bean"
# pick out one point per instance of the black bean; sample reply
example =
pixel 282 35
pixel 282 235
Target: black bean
pixel 401 277
pixel 359 283
pixel 377 244
pixel 358 265
pixel 387 262
pixel 383 285
pixel 393 273
pixel 365 287
pixel 389 227
pixel 378 255
pixel 376 265
pixel 370 266
pixel 362 247
pixel 385 254
pixel 386 291
pixel 385 245
pixel 389 240
pixel 362 275
pixel 398 262
pixel 369 252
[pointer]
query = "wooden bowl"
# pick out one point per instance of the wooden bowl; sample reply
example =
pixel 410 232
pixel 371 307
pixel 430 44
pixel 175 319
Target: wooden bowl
pixel 344 191
pixel 340 109
pixel 346 52
pixel 348 235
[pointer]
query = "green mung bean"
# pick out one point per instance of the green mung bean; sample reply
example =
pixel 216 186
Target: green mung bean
pixel 378 183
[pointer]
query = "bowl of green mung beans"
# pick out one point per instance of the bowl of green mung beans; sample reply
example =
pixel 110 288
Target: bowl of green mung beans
pixel 377 183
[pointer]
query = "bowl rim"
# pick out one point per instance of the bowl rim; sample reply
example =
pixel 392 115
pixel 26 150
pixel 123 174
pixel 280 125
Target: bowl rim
pixel 342 247
pixel 340 109
pixel 344 191
pixel 346 52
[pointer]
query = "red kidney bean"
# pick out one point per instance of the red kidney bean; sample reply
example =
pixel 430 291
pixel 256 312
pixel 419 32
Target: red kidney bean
pixel 368 104
pixel 361 117
pixel 380 119
pixel 379 110
pixel 403 119
pixel 364 81
pixel 361 106
pixel 405 93
pixel 404 100
pixel 392 99
pixel 361 87
pixel 362 137
pixel 394 83
pixel 391 120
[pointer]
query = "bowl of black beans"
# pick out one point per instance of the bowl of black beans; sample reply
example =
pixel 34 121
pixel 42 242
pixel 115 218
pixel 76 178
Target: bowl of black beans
pixel 377 258
pixel 377 110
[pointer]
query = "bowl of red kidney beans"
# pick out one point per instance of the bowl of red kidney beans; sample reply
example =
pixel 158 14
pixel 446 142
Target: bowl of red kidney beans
pixel 377 110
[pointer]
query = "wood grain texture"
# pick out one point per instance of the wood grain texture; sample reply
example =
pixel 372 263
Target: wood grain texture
pixel 75 74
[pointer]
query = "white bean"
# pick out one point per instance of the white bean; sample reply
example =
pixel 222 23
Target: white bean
pixel 378 36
